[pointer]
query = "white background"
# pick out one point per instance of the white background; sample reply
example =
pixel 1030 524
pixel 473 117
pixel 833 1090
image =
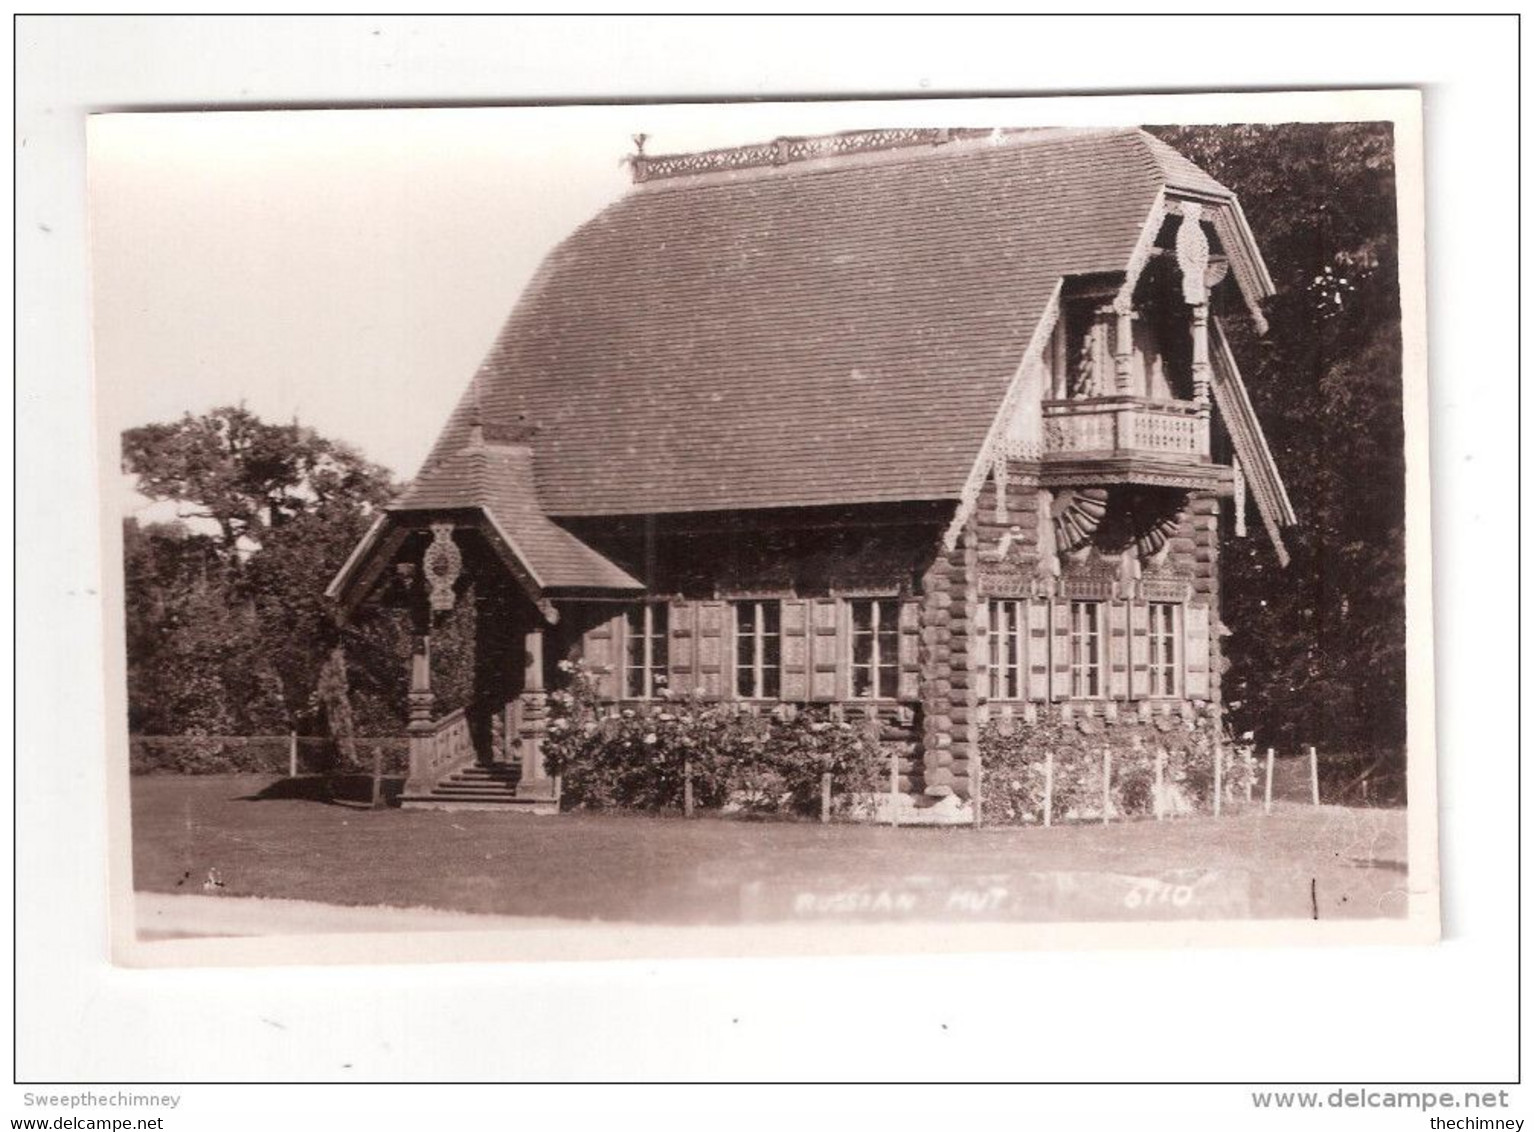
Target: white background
pixel 1443 1013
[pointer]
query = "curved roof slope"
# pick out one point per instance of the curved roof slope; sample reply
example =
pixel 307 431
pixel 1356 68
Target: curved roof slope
pixel 833 332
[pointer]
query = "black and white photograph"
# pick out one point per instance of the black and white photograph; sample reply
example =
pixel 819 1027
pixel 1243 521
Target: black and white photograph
pixel 968 557
pixel 891 525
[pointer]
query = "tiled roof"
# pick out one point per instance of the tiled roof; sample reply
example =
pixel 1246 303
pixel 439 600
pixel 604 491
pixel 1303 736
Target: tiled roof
pixel 830 332
pixel 498 479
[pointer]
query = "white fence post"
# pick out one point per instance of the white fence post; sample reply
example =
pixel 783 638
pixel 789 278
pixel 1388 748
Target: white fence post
pixel 292 754
pixel 1267 790
pixel 1049 787
pixel 1315 778
pixel 1107 783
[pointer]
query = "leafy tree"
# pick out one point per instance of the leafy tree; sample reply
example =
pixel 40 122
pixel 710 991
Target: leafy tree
pixel 229 632
pixel 246 476
pixel 1318 652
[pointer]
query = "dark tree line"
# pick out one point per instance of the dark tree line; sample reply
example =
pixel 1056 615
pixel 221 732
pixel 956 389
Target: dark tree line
pixel 1318 653
pixel 229 632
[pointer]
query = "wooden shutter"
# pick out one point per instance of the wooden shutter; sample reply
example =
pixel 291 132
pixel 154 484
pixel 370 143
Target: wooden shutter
pixel 910 649
pixel 1060 651
pixel 1036 654
pixel 1195 620
pixel 796 650
pixel 602 650
pixel 1118 650
pixel 683 650
pixel 1139 650
pixel 987 647
pixel 710 644
pixel 825 650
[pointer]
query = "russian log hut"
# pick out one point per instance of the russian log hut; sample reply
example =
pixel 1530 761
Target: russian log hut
pixel 931 424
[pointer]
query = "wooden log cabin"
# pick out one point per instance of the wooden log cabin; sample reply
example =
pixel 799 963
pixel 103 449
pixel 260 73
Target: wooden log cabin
pixel 931 424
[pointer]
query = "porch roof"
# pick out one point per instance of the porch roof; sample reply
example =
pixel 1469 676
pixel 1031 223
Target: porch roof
pixel 497 478
pixel 496 481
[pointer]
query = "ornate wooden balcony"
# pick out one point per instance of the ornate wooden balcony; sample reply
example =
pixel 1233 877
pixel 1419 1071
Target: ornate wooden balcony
pixel 1124 439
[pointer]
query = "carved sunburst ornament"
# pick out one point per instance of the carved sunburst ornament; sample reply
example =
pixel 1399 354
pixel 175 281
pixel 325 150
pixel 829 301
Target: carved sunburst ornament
pixel 442 563
pixel 1077 514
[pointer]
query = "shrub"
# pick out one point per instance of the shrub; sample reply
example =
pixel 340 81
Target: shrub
pixel 639 756
pixel 1012 751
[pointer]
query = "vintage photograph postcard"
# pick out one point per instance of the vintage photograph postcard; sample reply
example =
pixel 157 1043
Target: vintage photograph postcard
pixel 738 529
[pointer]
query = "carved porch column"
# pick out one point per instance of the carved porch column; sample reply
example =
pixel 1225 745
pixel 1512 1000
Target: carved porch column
pixel 532 722
pixel 421 729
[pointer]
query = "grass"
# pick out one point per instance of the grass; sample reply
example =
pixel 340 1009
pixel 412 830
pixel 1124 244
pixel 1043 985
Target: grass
pixel 277 838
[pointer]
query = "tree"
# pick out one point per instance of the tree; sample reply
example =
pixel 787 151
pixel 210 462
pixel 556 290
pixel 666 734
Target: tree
pixel 1319 652
pixel 246 476
pixel 229 631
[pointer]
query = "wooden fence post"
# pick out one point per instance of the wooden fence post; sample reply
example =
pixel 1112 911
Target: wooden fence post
pixel 1049 787
pixel 977 796
pixel 1315 778
pixel 687 788
pixel 825 798
pixel 1219 778
pixel 894 787
pixel 292 754
pixel 378 798
pixel 1107 783
pixel 1251 772
pixel 1160 798
pixel 1267 790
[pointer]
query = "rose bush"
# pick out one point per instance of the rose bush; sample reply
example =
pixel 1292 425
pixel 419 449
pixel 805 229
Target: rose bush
pixel 1012 751
pixel 638 756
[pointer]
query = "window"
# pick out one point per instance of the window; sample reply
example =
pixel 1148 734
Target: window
pixel 645 656
pixel 1009 650
pixel 1163 649
pixel 875 648
pixel 758 649
pixel 1086 649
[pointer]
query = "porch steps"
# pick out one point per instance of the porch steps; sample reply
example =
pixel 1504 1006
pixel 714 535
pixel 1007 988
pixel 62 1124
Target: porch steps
pixel 477 787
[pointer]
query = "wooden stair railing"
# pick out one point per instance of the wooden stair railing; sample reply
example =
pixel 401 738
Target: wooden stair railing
pixel 435 755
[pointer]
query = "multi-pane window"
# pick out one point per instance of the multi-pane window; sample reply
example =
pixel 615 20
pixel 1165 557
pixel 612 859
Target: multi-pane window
pixel 1086 648
pixel 1009 649
pixel 758 649
pixel 1163 649
pixel 875 648
pixel 645 650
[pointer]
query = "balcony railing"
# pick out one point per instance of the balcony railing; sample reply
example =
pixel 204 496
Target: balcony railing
pixel 1111 426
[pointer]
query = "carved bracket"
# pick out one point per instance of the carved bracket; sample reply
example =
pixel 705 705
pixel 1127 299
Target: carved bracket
pixel 442 564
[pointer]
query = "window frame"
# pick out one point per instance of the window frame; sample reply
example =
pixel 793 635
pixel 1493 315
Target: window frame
pixel 1172 666
pixel 998 689
pixel 878 666
pixel 1082 668
pixel 647 668
pixel 758 666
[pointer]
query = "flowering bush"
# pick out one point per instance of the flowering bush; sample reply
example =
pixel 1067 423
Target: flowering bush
pixel 1013 755
pixel 640 756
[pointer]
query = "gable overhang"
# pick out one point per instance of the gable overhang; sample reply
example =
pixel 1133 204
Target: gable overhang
pixel 1032 362
pixel 1260 470
pixel 1224 214
pixel 379 547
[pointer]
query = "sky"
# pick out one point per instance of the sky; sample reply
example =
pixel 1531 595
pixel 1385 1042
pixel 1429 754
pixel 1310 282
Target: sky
pixel 351 268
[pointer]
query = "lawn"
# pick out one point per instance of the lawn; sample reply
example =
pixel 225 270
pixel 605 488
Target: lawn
pixel 272 838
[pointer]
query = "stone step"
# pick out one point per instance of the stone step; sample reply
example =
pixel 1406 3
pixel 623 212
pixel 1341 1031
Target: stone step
pixel 481 787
